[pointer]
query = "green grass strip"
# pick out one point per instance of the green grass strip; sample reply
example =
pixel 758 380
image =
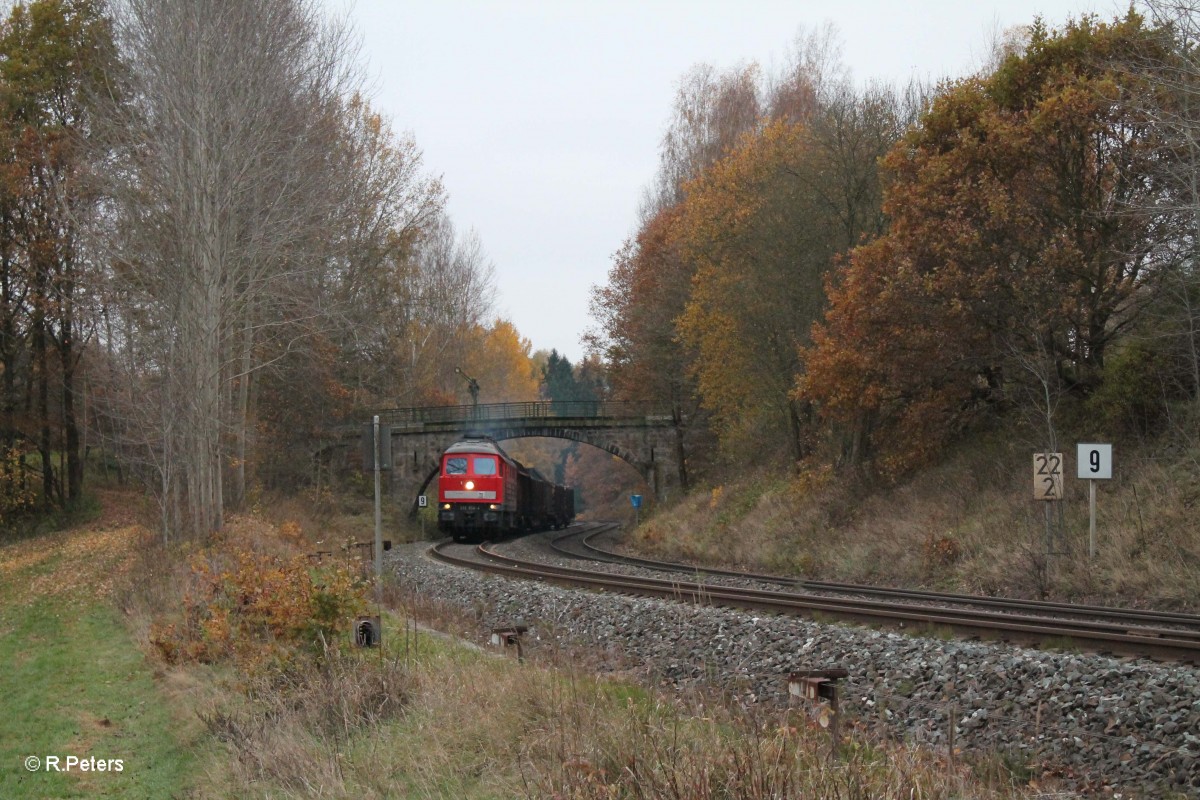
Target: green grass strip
pixel 74 684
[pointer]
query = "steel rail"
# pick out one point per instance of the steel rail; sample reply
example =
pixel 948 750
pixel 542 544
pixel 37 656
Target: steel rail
pixel 1152 643
pixel 1125 616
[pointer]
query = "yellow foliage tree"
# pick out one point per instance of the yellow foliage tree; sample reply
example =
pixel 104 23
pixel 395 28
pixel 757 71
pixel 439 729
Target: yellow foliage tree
pixel 763 227
pixel 502 361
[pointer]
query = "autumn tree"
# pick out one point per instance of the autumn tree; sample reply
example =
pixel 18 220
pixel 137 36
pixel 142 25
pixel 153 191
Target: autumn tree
pixel 361 296
pixel 763 227
pixel 452 292
pixel 811 75
pixel 1173 339
pixel 1012 234
pixel 770 177
pixel 53 53
pixel 200 192
pixel 502 361
pixel 649 282
pixel 636 337
pixel 398 300
pixel 711 112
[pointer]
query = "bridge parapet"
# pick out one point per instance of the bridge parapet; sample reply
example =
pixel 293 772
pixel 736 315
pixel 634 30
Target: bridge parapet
pixel 628 413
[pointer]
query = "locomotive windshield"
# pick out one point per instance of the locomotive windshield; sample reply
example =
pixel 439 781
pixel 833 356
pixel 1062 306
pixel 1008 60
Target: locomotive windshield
pixel 485 465
pixel 456 466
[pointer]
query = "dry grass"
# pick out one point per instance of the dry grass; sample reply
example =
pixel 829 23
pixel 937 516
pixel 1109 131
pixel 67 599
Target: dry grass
pixel 328 519
pixel 439 720
pixel 291 729
pixel 968 524
pixel 426 716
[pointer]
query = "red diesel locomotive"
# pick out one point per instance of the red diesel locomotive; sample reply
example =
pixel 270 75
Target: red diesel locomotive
pixel 485 493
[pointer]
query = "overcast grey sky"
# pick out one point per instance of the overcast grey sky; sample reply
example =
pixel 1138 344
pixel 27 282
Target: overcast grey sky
pixel 544 118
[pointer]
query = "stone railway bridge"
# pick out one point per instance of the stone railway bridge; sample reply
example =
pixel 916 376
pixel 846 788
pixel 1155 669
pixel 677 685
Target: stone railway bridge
pixel 646 438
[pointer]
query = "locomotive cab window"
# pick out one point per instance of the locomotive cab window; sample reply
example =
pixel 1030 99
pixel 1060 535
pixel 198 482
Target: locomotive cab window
pixel 485 465
pixel 456 466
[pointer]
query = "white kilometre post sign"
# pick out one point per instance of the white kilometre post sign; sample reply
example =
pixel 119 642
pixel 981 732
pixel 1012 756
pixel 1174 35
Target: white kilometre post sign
pixel 1094 463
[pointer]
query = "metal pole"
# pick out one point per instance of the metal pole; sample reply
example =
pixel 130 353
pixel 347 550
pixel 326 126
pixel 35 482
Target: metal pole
pixel 950 736
pixel 1049 534
pixel 1092 518
pixel 835 723
pixel 378 519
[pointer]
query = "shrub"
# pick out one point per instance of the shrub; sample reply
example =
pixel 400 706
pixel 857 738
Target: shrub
pixel 250 606
pixel 940 551
pixel 291 531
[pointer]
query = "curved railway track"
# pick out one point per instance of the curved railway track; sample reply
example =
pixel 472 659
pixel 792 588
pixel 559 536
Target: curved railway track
pixel 1095 628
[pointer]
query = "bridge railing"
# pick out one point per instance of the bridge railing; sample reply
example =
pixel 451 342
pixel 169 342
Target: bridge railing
pixel 541 409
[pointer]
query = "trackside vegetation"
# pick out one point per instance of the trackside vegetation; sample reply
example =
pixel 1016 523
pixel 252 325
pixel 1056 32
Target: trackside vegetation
pixel 107 658
pixel 431 716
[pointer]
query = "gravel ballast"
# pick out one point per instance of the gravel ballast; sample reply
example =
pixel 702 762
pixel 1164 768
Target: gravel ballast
pixel 1126 723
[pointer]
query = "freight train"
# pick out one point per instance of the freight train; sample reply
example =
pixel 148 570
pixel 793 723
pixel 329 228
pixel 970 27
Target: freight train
pixel 483 493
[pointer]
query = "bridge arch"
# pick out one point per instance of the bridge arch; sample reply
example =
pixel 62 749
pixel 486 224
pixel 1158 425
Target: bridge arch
pixel 641 436
pixel 583 436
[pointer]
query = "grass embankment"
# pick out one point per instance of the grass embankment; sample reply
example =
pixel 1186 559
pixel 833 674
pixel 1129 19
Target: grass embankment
pixel 73 681
pixel 208 682
pixel 968 524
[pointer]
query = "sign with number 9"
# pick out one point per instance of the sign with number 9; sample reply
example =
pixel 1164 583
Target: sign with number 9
pixel 1094 462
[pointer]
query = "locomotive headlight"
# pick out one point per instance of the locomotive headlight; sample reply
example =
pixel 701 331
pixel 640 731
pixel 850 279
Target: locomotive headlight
pixel 470 485
pixel 447 506
pixel 493 506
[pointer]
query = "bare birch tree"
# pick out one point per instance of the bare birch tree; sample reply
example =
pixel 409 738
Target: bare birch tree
pixel 228 181
pixel 711 112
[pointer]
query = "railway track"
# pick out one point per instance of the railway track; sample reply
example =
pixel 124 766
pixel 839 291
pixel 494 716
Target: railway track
pixel 581 544
pixel 1172 637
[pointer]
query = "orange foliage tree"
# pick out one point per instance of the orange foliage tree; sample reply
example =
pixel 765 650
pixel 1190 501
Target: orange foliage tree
pixel 53 56
pixel 762 183
pixel 647 289
pixel 1015 239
